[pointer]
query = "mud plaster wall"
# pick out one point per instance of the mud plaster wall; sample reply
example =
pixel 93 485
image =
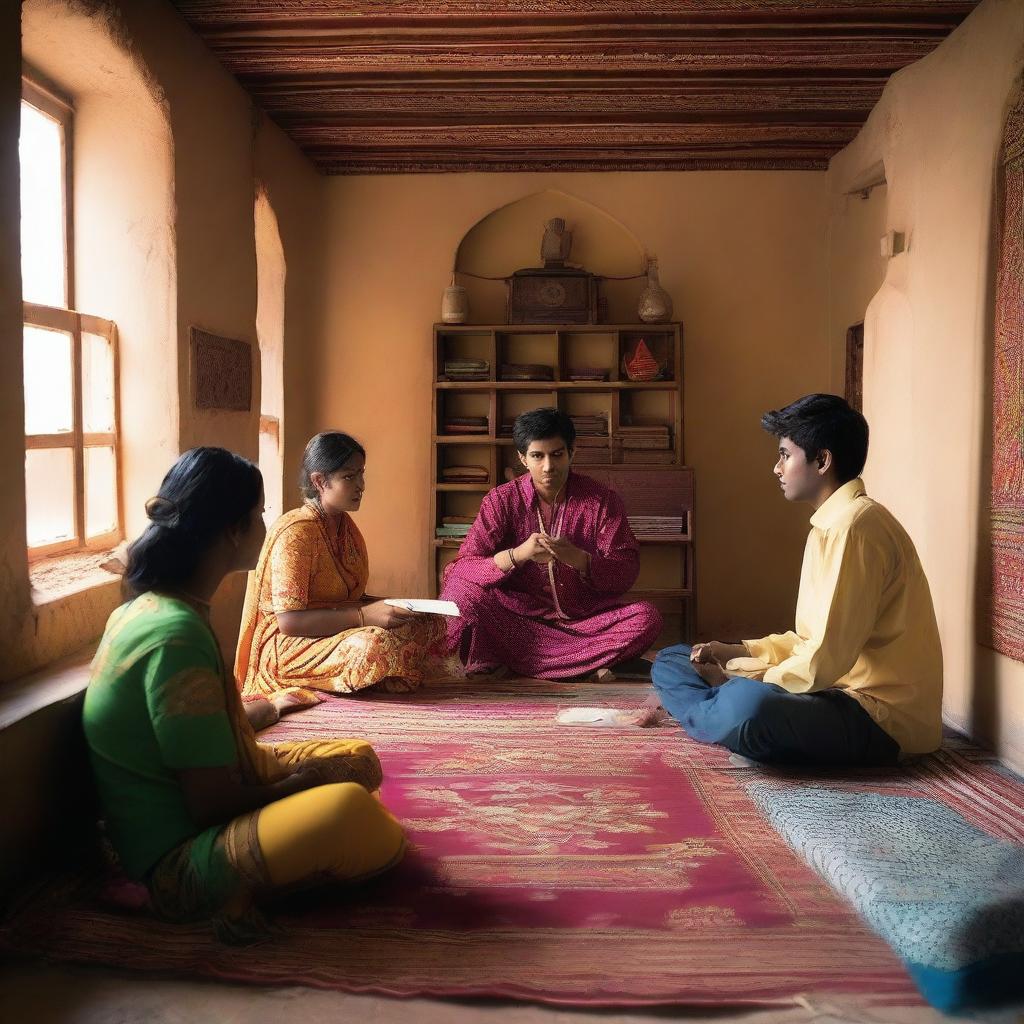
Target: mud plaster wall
pixel 928 334
pixel 742 254
pixel 189 261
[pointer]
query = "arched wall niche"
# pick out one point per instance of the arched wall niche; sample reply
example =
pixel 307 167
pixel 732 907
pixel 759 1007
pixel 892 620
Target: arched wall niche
pixel 509 237
pixel 271 272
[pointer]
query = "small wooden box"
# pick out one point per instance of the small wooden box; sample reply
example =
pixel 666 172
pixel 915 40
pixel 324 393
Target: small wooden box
pixel 552 296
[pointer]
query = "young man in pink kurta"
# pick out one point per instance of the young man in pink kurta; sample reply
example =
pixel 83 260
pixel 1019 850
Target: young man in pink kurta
pixel 539 578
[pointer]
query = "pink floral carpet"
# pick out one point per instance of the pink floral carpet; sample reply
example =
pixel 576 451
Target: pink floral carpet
pixel 600 866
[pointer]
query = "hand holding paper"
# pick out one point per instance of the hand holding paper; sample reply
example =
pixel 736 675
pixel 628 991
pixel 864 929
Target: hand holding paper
pixel 424 606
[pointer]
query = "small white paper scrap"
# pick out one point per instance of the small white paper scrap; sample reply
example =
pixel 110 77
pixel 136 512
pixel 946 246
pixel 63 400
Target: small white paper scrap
pixel 592 716
pixel 419 604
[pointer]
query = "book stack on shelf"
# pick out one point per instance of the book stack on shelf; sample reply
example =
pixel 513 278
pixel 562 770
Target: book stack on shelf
pixel 595 425
pixel 526 371
pixel 651 526
pixel 591 440
pixel 465 474
pixel 467 369
pixel 464 425
pixel 620 384
pixel 456 527
pixel 646 443
pixel 583 373
pixel 592 451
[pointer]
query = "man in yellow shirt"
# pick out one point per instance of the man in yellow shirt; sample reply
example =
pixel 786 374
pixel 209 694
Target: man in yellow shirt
pixel 859 681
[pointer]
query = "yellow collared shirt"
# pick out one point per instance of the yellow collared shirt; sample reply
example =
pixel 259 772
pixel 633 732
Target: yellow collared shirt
pixel 864 622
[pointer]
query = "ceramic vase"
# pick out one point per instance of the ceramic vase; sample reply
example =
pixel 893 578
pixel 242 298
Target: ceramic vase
pixel 454 304
pixel 655 305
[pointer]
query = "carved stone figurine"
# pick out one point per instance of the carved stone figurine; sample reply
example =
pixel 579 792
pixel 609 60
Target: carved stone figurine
pixel 556 244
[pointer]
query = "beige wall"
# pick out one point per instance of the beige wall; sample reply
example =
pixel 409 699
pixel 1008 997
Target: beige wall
pixel 856 226
pixel 928 332
pixel 14 597
pixel 295 192
pixel 742 254
pixel 170 153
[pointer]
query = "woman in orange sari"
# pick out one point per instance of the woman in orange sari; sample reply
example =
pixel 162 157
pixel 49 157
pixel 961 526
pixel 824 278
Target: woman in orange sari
pixel 307 620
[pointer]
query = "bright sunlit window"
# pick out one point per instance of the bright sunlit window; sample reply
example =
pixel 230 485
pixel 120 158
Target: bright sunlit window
pixel 72 464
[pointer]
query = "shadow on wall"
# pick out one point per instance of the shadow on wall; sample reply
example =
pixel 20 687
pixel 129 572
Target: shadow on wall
pixel 508 239
pixel 889 403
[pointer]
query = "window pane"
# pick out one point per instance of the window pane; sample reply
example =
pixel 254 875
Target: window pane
pixel 47 381
pixel 42 208
pixel 97 384
pixel 100 491
pixel 49 495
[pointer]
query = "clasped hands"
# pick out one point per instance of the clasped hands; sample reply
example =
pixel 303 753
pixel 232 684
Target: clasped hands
pixel 542 548
pixel 709 660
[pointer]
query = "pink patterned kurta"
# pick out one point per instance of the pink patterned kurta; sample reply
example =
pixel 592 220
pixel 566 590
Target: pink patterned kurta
pixel 513 619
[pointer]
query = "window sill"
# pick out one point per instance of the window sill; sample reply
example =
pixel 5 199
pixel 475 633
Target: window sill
pixel 63 575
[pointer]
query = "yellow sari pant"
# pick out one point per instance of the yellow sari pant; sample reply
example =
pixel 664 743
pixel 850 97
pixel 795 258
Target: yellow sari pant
pixel 334 832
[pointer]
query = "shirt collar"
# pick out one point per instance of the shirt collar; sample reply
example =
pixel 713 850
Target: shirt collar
pixel 529 492
pixel 836 502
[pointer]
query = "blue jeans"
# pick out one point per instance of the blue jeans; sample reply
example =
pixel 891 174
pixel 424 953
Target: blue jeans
pixel 764 722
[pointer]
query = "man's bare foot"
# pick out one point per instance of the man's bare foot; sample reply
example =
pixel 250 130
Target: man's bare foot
pixel 651 715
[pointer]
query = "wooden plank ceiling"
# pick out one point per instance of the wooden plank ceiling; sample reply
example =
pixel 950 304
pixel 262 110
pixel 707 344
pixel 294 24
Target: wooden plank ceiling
pixel 392 86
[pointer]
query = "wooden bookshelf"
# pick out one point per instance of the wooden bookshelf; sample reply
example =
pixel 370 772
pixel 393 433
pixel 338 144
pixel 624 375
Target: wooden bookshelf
pixel 665 488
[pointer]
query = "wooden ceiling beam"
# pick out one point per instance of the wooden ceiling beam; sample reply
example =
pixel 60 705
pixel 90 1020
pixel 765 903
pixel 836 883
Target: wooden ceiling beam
pixel 396 86
pixel 210 14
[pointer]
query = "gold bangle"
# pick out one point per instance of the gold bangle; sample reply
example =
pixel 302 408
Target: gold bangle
pixel 362 621
pixel 512 558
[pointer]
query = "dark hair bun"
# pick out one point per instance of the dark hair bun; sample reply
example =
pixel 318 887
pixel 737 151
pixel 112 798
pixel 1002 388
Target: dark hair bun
pixel 163 511
pixel 207 491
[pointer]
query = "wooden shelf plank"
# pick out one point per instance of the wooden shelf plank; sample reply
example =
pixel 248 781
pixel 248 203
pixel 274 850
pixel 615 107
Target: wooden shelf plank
pixel 478 488
pixel 664 538
pixel 463 439
pixel 454 542
pixel 558 328
pixel 557 385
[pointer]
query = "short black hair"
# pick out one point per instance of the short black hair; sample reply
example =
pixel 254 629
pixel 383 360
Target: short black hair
pixel 817 422
pixel 541 424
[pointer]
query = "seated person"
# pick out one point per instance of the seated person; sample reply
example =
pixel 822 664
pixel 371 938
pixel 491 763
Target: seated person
pixel 859 681
pixel 195 808
pixel 307 621
pixel 539 578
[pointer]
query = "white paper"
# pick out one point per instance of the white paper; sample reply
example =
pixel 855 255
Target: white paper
pixel 594 716
pixel 419 604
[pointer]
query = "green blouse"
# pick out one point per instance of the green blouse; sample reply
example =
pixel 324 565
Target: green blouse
pixel 156 705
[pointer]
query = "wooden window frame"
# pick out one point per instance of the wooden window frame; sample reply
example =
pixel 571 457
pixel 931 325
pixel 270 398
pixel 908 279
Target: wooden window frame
pixel 46 99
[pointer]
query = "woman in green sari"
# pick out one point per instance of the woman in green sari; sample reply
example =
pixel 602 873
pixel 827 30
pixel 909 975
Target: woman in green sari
pixel 194 807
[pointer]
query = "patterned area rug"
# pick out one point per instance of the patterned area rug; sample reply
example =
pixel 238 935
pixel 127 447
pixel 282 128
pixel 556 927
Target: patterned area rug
pixel 595 866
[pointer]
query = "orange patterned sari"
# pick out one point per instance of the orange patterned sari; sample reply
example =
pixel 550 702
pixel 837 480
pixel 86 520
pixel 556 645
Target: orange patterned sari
pixel 302 566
